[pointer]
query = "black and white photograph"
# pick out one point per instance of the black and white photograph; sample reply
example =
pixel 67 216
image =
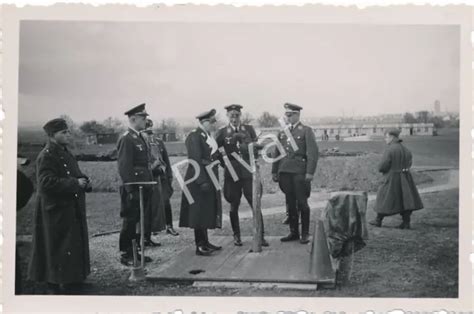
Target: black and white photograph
pixel 227 159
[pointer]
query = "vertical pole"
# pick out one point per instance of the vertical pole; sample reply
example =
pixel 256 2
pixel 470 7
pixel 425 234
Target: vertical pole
pixel 142 227
pixel 256 210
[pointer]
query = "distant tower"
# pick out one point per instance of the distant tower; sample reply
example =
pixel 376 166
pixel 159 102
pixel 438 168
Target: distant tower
pixel 437 107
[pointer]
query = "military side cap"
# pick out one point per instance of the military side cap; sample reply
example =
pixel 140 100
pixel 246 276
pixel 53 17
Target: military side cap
pixel 148 123
pixel 54 126
pixel 233 107
pixel 138 110
pixel 292 107
pixel 394 131
pixel 207 115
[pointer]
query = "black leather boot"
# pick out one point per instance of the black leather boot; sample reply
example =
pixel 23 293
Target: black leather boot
pixel 377 222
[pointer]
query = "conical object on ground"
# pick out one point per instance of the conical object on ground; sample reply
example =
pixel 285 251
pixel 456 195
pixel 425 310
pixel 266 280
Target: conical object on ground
pixel 320 262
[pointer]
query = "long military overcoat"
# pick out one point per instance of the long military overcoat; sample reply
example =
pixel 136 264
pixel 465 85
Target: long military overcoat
pixel 60 240
pixel 206 209
pixel 398 191
pixel 162 174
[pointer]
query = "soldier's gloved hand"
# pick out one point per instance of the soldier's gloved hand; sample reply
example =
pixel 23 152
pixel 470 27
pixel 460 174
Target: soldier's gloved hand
pixel 205 187
pixel 275 177
pixel 309 177
pixel 82 182
pixel 133 195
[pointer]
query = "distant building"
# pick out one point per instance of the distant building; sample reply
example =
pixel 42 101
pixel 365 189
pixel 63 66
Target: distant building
pixel 341 131
pixel 102 138
pixel 437 107
pixel 167 136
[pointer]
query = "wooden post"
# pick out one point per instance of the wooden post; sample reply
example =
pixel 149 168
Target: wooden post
pixel 257 209
pixel 142 227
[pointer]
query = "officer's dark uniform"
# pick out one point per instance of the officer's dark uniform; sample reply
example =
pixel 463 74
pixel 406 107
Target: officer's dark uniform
pixel 235 140
pixel 204 210
pixel 133 166
pixel 292 170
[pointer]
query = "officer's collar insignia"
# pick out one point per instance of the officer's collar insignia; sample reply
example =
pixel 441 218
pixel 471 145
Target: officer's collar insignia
pixel 203 135
pixel 126 132
pixel 300 127
pixel 134 136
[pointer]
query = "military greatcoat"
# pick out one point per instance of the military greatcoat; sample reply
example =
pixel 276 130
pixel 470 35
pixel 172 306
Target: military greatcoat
pixel 205 212
pixel 60 240
pixel 398 191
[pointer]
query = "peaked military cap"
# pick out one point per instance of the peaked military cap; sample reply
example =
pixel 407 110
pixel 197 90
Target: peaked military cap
pixel 54 126
pixel 292 107
pixel 393 131
pixel 207 115
pixel 138 110
pixel 233 107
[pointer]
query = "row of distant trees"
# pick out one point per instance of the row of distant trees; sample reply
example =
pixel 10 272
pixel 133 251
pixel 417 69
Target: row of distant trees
pixel 114 125
pixel 427 117
pixel 265 120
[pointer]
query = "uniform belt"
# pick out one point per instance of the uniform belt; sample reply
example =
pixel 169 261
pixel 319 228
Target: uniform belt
pixel 404 170
pixel 297 157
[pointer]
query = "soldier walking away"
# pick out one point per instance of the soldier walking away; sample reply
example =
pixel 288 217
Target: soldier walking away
pixel 235 138
pixel 162 173
pixel 204 211
pixel 398 193
pixel 60 255
pixel 295 171
pixel 133 166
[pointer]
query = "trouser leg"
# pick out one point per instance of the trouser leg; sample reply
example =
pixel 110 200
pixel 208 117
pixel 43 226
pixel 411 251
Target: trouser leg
pixel 302 192
pixel 305 212
pixel 148 210
pixel 168 214
pixel 406 215
pixel 287 186
pixel 199 237
pixel 234 218
pixel 127 234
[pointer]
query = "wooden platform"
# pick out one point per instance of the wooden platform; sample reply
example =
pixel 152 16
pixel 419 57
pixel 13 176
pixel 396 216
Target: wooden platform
pixel 279 263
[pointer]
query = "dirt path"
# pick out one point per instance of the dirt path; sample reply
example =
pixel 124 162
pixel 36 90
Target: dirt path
pixel 448 179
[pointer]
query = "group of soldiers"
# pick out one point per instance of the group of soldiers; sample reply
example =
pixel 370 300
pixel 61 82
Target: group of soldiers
pixel 60 254
pixel 202 209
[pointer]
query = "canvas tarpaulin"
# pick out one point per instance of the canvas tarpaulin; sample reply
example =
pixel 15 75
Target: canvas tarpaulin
pixel 345 223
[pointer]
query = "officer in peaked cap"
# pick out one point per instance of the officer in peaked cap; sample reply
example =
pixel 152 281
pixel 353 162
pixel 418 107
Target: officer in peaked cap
pixel 201 209
pixel 137 111
pixel 133 165
pixel 235 138
pixel 295 171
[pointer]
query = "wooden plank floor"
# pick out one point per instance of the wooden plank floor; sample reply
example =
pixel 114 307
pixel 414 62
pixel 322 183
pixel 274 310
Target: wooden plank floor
pixel 281 262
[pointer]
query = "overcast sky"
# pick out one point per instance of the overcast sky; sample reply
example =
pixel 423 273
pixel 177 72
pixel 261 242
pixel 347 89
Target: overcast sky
pixel 92 70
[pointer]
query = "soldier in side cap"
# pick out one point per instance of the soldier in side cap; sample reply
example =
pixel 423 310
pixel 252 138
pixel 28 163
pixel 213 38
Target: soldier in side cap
pixel 60 255
pixel 398 193
pixel 235 138
pixel 295 171
pixel 204 210
pixel 133 166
